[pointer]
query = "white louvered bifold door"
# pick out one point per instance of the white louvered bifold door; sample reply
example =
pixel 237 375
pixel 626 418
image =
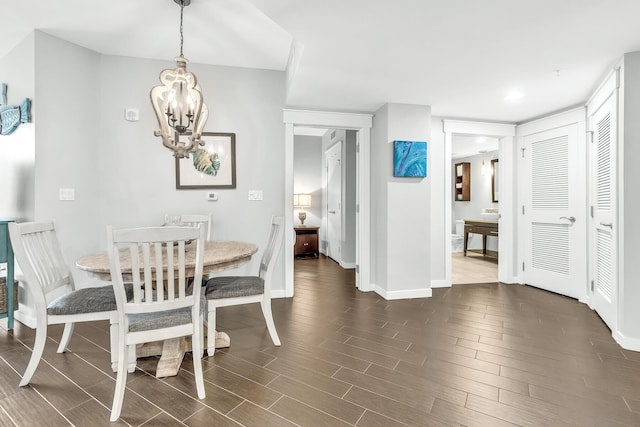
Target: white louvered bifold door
pixel 603 125
pixel 554 212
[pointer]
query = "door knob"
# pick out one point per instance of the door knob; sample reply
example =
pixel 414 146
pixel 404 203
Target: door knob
pixel 571 219
pixel 332 212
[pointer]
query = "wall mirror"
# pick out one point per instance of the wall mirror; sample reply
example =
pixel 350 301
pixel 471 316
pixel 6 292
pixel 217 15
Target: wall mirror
pixel 495 190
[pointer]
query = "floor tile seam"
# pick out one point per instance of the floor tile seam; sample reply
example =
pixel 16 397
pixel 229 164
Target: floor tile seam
pixel 499 387
pixel 373 377
pixel 445 382
pixel 324 392
pixel 67 378
pixel 319 410
pixel 279 374
pixel 359 358
pixel 244 378
pixel 527 413
pixel 372 333
pixel 406 350
pixel 541 412
pixel 51 404
pixel 382 354
pixel 6 414
pixel 391 399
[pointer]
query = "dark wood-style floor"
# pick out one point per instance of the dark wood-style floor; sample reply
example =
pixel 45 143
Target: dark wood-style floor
pixel 472 355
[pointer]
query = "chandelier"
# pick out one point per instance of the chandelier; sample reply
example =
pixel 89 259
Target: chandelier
pixel 179 105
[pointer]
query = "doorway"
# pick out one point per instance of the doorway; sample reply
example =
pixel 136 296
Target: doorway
pixel 505 182
pixel 475 208
pixel 361 124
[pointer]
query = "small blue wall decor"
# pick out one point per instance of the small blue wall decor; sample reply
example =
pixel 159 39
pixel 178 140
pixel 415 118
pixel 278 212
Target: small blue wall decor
pixel 410 159
pixel 11 116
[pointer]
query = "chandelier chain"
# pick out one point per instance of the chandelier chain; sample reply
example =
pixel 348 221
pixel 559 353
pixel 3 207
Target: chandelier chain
pixel 181 35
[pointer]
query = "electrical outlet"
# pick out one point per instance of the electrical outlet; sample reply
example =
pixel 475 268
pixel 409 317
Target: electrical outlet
pixel 255 195
pixel 212 196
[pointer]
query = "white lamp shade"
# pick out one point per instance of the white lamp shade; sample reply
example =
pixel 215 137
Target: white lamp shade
pixel 302 200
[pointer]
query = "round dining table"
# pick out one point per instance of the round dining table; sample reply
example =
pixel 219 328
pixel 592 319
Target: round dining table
pixel 218 256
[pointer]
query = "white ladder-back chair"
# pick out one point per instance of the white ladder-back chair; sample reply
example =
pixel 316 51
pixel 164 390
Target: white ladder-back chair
pixel 49 281
pixel 227 291
pixel 194 220
pixel 163 305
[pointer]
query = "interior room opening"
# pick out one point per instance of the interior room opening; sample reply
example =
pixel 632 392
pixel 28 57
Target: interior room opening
pixel 475 211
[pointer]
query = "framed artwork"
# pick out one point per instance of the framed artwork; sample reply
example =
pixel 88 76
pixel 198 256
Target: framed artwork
pixel 410 159
pixel 212 166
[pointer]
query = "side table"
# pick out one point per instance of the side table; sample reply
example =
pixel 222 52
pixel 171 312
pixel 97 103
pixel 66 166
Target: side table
pixel 306 241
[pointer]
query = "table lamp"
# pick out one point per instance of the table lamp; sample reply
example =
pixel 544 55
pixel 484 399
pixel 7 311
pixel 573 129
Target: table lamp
pixel 302 201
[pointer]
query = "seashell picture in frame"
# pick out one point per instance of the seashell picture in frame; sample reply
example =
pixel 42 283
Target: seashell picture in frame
pixel 213 165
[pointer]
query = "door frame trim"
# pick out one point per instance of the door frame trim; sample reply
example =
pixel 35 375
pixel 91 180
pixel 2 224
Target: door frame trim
pixel 361 123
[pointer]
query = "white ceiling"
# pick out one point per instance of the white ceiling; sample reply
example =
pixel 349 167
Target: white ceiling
pixel 462 57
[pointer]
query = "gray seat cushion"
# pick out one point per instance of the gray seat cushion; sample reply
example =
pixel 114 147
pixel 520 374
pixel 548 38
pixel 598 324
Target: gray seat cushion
pixel 234 286
pixel 87 300
pixel 163 319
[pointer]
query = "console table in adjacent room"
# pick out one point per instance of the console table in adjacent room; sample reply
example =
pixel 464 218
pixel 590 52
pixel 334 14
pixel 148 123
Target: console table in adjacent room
pixel 477 226
pixel 6 256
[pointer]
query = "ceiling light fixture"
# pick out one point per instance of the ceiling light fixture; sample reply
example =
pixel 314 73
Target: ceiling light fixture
pixel 513 96
pixel 179 104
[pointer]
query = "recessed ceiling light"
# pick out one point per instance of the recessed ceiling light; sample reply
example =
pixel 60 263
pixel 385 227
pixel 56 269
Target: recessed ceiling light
pixel 481 139
pixel 512 96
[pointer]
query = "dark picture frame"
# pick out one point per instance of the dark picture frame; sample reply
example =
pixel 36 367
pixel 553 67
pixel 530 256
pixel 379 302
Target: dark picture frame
pixel 212 166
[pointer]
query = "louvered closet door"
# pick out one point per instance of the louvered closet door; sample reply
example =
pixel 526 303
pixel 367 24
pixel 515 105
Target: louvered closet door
pixel 602 231
pixel 555 235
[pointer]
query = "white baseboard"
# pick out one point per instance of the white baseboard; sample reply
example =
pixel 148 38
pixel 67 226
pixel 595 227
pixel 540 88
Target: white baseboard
pixel 440 284
pixel 627 343
pixel 348 265
pixel 278 293
pixel 394 295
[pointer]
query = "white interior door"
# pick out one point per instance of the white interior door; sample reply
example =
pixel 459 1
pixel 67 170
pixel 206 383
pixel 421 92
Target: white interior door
pixel 554 211
pixel 603 125
pixel 333 157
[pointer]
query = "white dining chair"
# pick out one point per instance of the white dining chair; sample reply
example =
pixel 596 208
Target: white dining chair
pixel 56 300
pixel 192 220
pixel 163 305
pixel 227 291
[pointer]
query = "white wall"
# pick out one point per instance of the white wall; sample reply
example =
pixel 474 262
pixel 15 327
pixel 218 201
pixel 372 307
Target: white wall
pixel 17 151
pixel 68 137
pixel 629 155
pixel 401 206
pixel 481 197
pixel 121 173
pixel 137 174
pixel 439 193
pixel 307 176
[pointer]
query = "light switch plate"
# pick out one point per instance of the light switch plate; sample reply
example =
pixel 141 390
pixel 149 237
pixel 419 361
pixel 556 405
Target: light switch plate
pixel 255 195
pixel 131 114
pixel 212 196
pixel 67 194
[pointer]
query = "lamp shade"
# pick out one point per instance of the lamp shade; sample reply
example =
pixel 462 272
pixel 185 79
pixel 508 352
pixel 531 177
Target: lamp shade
pixel 302 200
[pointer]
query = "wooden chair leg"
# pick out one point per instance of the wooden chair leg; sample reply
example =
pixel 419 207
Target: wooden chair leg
pixel 265 304
pixel 66 337
pixel 36 354
pixel 121 381
pixel 211 329
pixel 196 351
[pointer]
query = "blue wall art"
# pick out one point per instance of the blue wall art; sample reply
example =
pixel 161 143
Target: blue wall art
pixel 410 158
